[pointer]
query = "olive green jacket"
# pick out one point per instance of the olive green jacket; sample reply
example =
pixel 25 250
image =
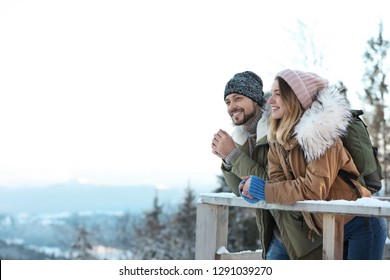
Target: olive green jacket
pixel 256 164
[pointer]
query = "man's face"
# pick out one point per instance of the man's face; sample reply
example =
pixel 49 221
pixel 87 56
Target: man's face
pixel 240 108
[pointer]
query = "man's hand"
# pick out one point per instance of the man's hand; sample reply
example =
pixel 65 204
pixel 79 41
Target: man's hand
pixel 222 144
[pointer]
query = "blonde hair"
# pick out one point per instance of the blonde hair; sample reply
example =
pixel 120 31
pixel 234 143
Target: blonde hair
pixel 280 130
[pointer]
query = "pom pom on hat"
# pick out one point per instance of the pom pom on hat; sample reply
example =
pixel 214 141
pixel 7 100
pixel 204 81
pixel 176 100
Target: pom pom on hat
pixel 305 85
pixel 246 83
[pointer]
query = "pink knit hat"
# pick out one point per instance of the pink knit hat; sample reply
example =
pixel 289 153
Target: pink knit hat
pixel 304 84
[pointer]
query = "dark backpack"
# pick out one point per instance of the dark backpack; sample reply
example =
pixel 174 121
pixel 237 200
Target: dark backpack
pixel 364 154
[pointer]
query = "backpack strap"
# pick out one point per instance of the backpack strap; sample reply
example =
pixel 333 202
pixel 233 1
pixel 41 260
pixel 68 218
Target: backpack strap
pixel 357 113
pixel 347 176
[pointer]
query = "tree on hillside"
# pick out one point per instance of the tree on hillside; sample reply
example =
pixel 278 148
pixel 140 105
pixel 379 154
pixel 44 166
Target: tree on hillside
pixel 167 236
pixel 124 233
pixel 81 249
pixel 375 90
pixel 149 234
pixel 183 228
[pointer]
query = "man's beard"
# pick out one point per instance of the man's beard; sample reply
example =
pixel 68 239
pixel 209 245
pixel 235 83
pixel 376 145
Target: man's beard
pixel 246 118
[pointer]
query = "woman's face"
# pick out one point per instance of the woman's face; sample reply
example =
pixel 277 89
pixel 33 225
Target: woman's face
pixel 275 101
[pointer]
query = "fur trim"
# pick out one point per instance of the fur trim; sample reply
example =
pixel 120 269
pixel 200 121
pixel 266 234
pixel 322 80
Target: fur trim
pixel 240 136
pixel 325 121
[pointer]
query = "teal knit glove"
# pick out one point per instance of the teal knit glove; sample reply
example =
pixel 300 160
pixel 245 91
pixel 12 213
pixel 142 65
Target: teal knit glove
pixel 256 189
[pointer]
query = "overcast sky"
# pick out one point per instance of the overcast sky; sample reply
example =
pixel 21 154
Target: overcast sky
pixel 130 92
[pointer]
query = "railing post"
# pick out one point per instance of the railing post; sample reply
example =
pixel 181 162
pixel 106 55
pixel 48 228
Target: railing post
pixel 333 237
pixel 211 230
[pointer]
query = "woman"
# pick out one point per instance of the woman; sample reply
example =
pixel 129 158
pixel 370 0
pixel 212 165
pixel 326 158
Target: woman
pixel 308 118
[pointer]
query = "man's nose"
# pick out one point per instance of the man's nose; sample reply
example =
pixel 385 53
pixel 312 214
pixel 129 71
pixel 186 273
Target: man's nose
pixel 231 106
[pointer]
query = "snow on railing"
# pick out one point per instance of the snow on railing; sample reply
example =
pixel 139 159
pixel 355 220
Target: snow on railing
pixel 213 211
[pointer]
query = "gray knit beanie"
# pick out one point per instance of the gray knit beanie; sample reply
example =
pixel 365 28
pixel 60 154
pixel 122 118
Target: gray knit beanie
pixel 246 83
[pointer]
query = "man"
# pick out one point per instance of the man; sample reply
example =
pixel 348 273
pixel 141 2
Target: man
pixel 245 152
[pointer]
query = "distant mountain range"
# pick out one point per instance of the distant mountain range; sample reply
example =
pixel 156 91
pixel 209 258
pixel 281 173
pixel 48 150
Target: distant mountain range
pixel 76 197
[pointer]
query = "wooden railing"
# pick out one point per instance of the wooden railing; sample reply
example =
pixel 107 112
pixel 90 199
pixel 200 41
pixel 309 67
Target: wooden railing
pixel 213 211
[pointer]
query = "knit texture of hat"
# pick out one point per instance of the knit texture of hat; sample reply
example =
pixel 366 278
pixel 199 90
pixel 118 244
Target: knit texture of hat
pixel 305 85
pixel 246 83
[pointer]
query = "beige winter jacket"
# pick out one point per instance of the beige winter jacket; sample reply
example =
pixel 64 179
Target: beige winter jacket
pixel 307 167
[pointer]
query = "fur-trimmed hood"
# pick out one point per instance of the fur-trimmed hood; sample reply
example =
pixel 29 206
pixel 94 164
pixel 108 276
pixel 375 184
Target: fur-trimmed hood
pixel 326 120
